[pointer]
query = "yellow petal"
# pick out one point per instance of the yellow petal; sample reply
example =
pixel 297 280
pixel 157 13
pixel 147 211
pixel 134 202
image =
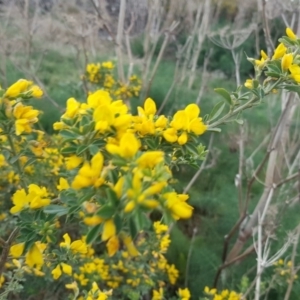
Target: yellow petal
pixel 109 229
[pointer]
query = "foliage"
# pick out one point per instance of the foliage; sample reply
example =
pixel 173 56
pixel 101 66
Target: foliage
pixel 92 206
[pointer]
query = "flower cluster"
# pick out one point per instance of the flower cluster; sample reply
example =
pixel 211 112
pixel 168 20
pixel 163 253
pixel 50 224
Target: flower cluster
pixel 101 75
pixel 96 182
pixel 214 294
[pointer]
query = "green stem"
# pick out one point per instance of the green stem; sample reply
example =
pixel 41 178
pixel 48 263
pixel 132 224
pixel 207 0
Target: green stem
pixel 233 112
pixel 17 162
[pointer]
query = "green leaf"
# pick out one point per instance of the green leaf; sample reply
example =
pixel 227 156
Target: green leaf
pixel 93 234
pixel 191 148
pixel 214 129
pixel 99 142
pixel 132 228
pixel 67 134
pixel 29 162
pixel 56 209
pixel 106 211
pixel 141 221
pixel 292 88
pixel 93 149
pixel 81 149
pixel 239 121
pixel 216 111
pixel 118 222
pixel 272 74
pixel 112 197
pixel 13 159
pixel 74 209
pixel 287 41
pixel 224 94
pixel 68 150
pixel 30 239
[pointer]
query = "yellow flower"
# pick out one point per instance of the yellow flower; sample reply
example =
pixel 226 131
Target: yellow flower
pixel 177 205
pixel 128 147
pixel 96 294
pixel 173 274
pixel 77 246
pixel 170 135
pixel 279 51
pixel 158 295
pixel 118 188
pixel 109 230
pixel 67 269
pixel 17 88
pixel 34 257
pixel 161 122
pixel 25 116
pixel 16 250
pixel 72 286
pixel 184 294
pixel 90 173
pixel 182 139
pixel 92 221
pixel 73 162
pixel 249 84
pixel 112 245
pixel 2 280
pixel 56 272
pixel 98 98
pixel 295 72
pixel 36 91
pixel 263 54
pixel 129 245
pixel 150 159
pixel 149 108
pixel 63 184
pixel 59 125
pixel 286 61
pixel 36 198
pixel 72 109
pixel 186 120
pixel 160 228
pixel 20 201
pixel 108 65
pixel 291 34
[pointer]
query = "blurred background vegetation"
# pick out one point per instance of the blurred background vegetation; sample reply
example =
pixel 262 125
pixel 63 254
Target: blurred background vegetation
pixel 51 42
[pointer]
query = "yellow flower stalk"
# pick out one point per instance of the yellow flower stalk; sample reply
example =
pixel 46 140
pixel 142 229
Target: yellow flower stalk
pixel 291 34
pixel 286 61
